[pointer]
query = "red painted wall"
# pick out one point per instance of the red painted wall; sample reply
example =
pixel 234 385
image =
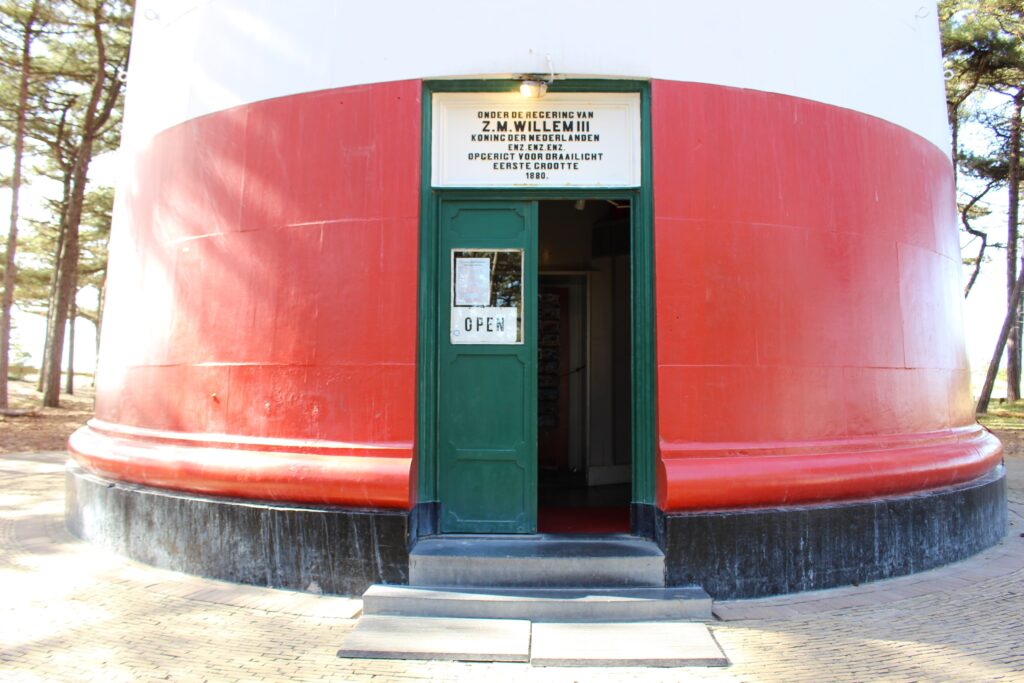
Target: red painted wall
pixel 260 329
pixel 263 285
pixel 809 333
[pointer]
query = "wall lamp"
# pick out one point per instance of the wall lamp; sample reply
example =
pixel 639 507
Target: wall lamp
pixel 533 89
pixel 533 86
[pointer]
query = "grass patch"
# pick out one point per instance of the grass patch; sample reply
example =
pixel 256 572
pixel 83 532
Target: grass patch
pixel 1003 415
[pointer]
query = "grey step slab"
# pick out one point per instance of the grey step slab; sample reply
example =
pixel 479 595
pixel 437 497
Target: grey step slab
pixel 637 644
pixel 467 640
pixel 548 561
pixel 550 604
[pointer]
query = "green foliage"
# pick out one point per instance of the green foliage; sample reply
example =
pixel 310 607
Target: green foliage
pixel 67 67
pixel 80 48
pixel 38 253
pixel 983 47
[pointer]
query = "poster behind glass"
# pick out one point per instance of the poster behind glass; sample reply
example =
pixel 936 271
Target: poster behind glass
pixel 487 296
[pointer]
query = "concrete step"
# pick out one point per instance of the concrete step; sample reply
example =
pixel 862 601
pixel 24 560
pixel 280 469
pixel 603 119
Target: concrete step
pixel 541 605
pixel 537 561
pixel 464 640
pixel 662 643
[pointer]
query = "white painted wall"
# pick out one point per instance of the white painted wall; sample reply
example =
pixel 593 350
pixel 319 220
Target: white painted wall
pixel 880 57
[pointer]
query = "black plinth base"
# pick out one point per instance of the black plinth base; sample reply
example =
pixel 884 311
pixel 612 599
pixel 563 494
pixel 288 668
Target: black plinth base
pixel 319 549
pixel 730 553
pixel 761 552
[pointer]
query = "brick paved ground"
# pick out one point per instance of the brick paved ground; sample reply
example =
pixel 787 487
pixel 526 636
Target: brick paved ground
pixel 71 612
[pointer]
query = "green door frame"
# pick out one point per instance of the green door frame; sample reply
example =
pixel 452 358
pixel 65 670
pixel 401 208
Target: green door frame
pixel 641 287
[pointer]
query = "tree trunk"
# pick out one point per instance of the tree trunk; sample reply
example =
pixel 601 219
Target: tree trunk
pixel 1013 346
pixel 69 381
pixel 10 268
pixel 100 305
pixel 1004 334
pixel 51 306
pixel 62 303
pixel 96 368
pixel 954 125
pixel 56 317
pixel 70 362
pixel 965 212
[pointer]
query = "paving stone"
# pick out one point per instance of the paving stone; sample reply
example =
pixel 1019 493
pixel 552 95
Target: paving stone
pixel 464 640
pixel 653 643
pixel 74 612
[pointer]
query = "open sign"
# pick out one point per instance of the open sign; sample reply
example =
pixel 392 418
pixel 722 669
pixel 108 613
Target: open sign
pixel 483 325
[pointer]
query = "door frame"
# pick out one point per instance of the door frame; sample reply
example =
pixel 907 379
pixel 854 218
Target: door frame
pixel 425 516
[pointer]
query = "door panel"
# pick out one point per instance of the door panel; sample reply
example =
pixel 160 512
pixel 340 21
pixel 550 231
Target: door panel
pixel 487 467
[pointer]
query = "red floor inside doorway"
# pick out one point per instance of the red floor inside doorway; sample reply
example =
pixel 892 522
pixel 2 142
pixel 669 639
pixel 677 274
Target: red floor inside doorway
pixel 583 520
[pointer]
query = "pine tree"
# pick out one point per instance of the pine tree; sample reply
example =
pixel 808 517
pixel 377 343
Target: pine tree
pixel 983 41
pixel 88 65
pixel 21 28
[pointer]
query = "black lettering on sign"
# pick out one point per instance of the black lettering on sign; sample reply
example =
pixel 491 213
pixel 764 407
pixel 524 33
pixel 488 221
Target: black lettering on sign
pixel 490 324
pixel 500 325
pixel 479 323
pixel 468 324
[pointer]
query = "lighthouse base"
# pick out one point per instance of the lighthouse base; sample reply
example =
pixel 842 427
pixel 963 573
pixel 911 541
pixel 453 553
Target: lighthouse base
pixel 730 553
pixel 317 549
pixel 770 551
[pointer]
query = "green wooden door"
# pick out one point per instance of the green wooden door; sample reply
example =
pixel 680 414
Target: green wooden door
pixel 487 274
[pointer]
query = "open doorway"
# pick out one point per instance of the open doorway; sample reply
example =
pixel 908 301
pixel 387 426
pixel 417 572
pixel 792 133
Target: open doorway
pixel 584 397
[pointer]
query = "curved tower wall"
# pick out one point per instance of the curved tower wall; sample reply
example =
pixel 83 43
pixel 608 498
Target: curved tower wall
pixel 260 335
pixel 260 328
pixel 808 308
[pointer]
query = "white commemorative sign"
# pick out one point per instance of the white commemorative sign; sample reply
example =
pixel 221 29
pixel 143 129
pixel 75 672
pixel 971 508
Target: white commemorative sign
pixel 560 140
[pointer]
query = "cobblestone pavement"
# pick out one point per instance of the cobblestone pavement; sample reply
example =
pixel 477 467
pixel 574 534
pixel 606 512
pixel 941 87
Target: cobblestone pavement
pixel 70 612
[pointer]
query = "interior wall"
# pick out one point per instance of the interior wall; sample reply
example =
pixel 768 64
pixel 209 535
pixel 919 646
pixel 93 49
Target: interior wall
pixel 566 244
pixel 611 419
pixel 622 339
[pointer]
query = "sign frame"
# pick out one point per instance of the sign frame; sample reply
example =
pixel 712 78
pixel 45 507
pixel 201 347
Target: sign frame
pixel 547 142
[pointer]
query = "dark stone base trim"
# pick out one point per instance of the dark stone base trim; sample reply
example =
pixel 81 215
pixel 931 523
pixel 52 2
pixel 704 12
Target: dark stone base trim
pixel 730 553
pixel 761 552
pixel 645 520
pixel 424 520
pixel 319 549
